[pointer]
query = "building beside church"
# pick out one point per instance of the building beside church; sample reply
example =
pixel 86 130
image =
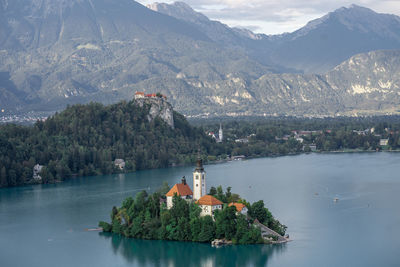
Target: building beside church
pixel 207 203
pixel 240 208
pixel 183 190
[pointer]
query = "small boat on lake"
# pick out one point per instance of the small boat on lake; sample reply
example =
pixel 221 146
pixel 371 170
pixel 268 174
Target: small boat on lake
pixel 94 229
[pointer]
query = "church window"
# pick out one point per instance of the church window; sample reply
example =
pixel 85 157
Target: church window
pixel 197 185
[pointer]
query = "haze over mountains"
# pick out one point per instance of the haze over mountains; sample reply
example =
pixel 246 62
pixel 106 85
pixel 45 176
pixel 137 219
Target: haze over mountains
pixel 55 52
pixel 316 48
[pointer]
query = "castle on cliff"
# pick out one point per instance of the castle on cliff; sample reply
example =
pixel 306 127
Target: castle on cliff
pixel 139 95
pixel 159 106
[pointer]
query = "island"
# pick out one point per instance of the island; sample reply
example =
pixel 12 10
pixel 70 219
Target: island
pixel 180 214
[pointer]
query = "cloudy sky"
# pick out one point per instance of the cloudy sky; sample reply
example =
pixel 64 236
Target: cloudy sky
pixel 277 16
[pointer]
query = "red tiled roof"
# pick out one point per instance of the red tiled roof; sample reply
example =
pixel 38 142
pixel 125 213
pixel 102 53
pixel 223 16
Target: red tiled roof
pixel 208 201
pixel 139 93
pixel 239 206
pixel 180 190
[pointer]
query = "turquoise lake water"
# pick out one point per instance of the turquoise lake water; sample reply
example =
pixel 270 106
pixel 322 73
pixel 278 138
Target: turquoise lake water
pixel 45 225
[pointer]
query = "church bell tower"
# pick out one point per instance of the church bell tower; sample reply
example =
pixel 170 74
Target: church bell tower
pixel 199 181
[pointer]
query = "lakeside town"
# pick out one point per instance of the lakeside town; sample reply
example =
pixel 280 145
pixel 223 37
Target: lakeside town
pixel 22 118
pixel 308 139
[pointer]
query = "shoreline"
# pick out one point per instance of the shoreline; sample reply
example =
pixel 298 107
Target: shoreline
pixel 33 183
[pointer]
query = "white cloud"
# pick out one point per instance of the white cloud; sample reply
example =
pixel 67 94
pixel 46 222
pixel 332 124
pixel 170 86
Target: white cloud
pixel 277 16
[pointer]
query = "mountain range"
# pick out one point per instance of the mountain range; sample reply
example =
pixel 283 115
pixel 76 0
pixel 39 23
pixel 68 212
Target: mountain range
pixel 316 48
pixel 59 52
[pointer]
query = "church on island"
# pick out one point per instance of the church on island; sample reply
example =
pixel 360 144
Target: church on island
pixel 207 203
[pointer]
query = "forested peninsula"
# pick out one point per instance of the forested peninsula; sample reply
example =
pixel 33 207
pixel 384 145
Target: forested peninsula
pixel 94 139
pixel 86 140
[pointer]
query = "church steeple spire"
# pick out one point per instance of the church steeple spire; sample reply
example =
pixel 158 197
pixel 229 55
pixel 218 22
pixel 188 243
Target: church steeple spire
pixel 220 134
pixel 199 165
pixel 199 180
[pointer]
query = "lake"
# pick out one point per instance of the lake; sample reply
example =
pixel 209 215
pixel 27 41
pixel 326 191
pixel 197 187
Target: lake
pixel 44 225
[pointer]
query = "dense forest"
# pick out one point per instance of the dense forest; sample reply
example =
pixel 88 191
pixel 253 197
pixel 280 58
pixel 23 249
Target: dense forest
pixel 144 217
pixel 86 140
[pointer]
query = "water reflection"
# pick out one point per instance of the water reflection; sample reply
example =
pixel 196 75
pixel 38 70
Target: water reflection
pixel 170 253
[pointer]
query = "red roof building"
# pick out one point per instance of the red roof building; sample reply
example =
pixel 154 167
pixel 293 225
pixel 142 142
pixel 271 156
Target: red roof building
pixel 208 205
pixel 209 201
pixel 180 190
pixel 139 95
pixel 240 207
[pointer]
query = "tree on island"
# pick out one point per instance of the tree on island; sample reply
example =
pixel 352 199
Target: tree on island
pixel 144 217
pixel 227 197
pixel 258 211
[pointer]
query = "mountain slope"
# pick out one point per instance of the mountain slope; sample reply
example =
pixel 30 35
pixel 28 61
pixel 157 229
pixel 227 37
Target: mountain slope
pixel 316 48
pixel 365 84
pixel 58 52
pixel 369 81
pixel 215 30
pixel 37 23
pixel 257 46
pixel 326 42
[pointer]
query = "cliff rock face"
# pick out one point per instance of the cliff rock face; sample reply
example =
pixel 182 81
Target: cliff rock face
pixel 158 108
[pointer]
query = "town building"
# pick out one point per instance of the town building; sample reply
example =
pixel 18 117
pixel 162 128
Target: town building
pixel 36 172
pixel 383 142
pixel 208 205
pixel 120 163
pixel 240 208
pixel 183 190
pixel 238 157
pixel 242 140
pixel 212 135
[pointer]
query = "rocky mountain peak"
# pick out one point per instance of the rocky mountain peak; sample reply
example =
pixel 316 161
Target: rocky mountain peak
pixel 356 18
pixel 215 30
pixel 179 10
